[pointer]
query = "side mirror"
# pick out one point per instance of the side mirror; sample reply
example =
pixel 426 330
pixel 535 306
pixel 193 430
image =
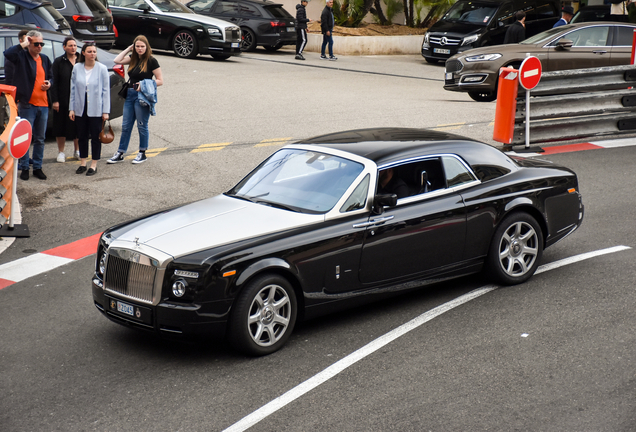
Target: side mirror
pixel 563 44
pixel 144 7
pixel 383 200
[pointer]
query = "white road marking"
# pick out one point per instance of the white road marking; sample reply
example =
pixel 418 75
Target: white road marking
pixel 333 370
pixel 31 265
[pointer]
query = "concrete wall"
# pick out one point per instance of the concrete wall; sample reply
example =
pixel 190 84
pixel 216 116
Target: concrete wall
pixel 368 45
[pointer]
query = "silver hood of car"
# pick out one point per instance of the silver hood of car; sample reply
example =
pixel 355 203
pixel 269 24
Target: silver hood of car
pixel 201 19
pixel 210 223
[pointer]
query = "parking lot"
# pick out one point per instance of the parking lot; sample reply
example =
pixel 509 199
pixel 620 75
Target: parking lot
pixel 555 353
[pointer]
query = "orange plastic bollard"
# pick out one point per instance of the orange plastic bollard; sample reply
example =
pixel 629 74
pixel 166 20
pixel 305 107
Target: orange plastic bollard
pixel 506 105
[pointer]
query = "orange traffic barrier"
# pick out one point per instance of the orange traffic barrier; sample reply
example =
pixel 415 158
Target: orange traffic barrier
pixel 6 169
pixel 506 105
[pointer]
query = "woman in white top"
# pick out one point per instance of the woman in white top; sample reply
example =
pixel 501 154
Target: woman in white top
pixel 90 95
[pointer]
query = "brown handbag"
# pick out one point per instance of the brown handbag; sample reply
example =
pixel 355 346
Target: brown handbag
pixel 106 136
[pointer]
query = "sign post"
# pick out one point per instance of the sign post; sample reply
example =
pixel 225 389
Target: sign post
pixel 529 77
pixel 19 142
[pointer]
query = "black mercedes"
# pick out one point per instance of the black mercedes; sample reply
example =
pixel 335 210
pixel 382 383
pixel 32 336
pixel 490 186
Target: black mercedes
pixel 328 223
pixel 169 25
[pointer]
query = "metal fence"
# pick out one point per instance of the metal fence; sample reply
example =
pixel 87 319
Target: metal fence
pixel 579 103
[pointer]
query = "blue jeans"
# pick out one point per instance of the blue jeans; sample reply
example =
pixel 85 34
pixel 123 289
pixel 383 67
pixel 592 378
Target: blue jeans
pixel 134 111
pixel 38 117
pixel 327 40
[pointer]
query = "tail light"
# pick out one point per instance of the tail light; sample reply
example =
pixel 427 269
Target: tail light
pixel 82 18
pixel 277 24
pixel 115 30
pixel 119 70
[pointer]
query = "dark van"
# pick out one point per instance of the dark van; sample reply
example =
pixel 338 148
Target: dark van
pixel 474 23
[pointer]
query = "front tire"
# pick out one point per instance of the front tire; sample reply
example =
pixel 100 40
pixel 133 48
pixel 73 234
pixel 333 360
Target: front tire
pixel 483 96
pixel 263 316
pixel 185 44
pixel 515 249
pixel 249 40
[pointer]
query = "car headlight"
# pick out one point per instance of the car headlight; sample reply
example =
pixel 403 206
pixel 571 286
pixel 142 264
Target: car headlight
pixel 215 33
pixel 483 57
pixel 470 39
pixel 426 42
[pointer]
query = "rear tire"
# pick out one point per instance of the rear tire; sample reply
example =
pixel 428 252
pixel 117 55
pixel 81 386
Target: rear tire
pixel 185 44
pixel 273 48
pixel 515 249
pixel 263 316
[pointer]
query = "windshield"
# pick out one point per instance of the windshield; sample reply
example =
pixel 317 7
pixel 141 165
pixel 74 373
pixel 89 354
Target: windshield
pixel 299 180
pixel 170 6
pixel 544 36
pixel 471 12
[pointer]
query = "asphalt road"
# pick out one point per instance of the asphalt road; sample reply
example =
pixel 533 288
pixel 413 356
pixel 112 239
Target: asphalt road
pixel 556 353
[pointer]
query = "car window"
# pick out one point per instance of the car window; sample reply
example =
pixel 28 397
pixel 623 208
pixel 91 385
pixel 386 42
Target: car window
pixel 2 48
pixel 358 198
pixel 170 6
pixel 246 9
pixel 545 9
pixel 471 12
pixel 592 13
pixel 456 172
pixel 58 4
pixel 47 49
pixel 201 5
pixel 588 37
pixel 625 36
pixel 225 7
pixel 506 15
pixel 278 12
pixel 411 179
pixel 299 180
pixel 90 5
pixel 58 49
pixel 7 9
pixel 131 4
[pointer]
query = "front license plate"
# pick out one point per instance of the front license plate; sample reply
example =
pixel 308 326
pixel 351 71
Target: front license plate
pixel 235 44
pixel 449 76
pixel 441 51
pixel 125 308
pixel 101 28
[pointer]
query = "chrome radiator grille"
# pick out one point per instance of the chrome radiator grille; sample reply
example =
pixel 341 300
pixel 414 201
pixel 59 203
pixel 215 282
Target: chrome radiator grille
pixel 233 34
pixel 130 279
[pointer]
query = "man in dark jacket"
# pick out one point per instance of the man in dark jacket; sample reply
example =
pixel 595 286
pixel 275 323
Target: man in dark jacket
pixel 327 23
pixel 32 79
pixel 8 66
pixel 517 31
pixel 301 28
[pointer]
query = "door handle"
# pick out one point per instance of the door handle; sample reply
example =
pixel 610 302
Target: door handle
pixel 599 52
pixel 373 222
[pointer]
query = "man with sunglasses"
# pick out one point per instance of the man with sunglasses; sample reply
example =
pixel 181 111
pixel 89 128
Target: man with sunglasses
pixel 32 78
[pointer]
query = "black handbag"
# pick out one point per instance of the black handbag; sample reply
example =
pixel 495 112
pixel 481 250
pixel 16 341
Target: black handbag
pixel 123 93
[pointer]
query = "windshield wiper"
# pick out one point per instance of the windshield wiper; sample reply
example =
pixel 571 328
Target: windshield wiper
pixel 277 205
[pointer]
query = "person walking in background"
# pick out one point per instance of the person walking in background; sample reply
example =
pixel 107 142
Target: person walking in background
pixel 9 67
pixel 618 10
pixel 566 16
pixel 327 23
pixel 142 66
pixel 517 31
pixel 32 79
pixel 301 28
pixel 63 127
pixel 90 96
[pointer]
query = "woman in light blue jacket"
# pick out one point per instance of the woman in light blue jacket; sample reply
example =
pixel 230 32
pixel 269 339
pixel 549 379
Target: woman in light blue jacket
pixel 90 95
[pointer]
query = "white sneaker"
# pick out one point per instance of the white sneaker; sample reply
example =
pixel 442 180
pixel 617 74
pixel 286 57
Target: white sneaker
pixel 61 157
pixel 76 154
pixel 117 157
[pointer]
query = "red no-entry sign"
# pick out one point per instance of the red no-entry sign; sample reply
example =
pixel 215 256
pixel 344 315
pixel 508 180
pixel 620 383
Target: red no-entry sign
pixel 20 138
pixel 530 73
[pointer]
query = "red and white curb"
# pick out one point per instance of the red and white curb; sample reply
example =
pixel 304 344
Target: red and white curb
pixel 567 148
pixel 42 262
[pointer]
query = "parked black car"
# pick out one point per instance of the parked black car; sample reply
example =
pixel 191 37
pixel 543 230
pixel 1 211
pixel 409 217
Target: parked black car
pixel 595 13
pixel 89 20
pixel 169 25
pixel 332 222
pixel 262 23
pixel 36 14
pixel 53 48
pixel 470 24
